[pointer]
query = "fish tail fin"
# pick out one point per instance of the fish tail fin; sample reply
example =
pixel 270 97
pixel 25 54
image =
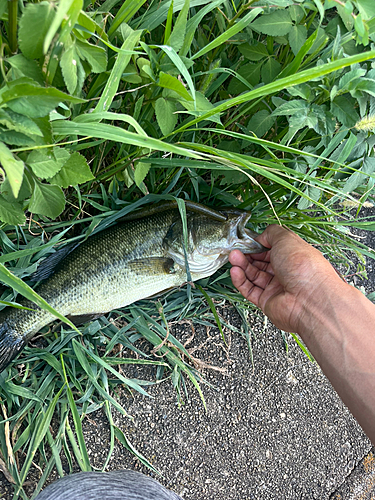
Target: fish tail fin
pixel 11 343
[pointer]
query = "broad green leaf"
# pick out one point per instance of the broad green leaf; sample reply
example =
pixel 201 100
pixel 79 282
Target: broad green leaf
pixel 233 30
pixel 261 122
pixel 251 73
pixel 85 21
pixel 46 164
pixel 254 52
pixel 19 123
pixel 114 79
pixel 312 193
pixel 145 70
pixel 13 168
pixel 303 90
pixel 276 23
pixel 74 171
pixel 68 64
pixel 69 20
pixel 351 79
pixel 291 108
pixel 34 101
pixel 14 138
pixel 171 82
pixel 23 193
pixel 34 25
pixel 366 8
pixel 45 127
pixel 177 37
pixel 201 105
pixel 297 37
pixel 140 172
pixel 131 75
pixel 360 27
pixel 360 177
pixel 96 56
pixel 21 66
pixel 165 116
pixel 11 213
pixel 342 108
pixel 270 70
pixel 296 13
pixel 298 121
pixel 47 200
pixel 346 17
pixel 366 85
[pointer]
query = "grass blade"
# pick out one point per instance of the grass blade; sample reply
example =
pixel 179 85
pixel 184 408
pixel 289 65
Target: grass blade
pixel 122 61
pixel 116 134
pixel 37 437
pixel 276 86
pixel 233 30
pixel 85 461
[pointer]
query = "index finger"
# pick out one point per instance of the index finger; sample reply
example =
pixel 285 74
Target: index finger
pixel 275 234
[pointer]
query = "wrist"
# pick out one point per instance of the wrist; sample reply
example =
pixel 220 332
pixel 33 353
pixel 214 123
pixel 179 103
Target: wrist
pixel 328 306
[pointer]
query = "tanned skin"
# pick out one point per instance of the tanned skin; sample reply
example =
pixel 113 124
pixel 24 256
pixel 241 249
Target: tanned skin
pixel 299 290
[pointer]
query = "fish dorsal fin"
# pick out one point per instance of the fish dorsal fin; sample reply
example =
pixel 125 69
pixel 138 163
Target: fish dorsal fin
pixel 162 206
pixel 48 266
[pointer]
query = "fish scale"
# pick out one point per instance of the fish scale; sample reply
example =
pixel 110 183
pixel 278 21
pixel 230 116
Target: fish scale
pixel 133 260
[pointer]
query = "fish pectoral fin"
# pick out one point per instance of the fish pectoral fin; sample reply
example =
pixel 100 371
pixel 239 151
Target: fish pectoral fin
pixel 79 319
pixel 153 265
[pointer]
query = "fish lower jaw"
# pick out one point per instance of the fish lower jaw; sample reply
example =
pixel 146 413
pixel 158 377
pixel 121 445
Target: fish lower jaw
pixel 201 266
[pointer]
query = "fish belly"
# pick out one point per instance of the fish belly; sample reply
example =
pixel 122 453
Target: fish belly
pixel 114 292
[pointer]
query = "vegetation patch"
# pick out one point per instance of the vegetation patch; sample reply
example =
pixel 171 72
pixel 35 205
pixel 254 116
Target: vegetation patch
pixel 264 105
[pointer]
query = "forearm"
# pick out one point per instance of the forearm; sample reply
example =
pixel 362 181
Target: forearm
pixel 339 331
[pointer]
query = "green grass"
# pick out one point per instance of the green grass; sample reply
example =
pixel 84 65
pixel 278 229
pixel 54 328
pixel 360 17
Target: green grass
pixel 267 106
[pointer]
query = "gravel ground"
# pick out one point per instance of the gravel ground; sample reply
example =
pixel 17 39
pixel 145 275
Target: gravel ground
pixel 275 430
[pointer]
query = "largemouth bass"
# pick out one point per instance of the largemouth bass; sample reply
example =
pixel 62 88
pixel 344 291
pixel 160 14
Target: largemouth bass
pixel 138 258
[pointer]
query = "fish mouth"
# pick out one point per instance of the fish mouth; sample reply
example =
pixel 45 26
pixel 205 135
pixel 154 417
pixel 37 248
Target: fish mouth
pixel 246 241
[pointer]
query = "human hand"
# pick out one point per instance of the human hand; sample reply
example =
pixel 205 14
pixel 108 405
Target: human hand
pixel 289 283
